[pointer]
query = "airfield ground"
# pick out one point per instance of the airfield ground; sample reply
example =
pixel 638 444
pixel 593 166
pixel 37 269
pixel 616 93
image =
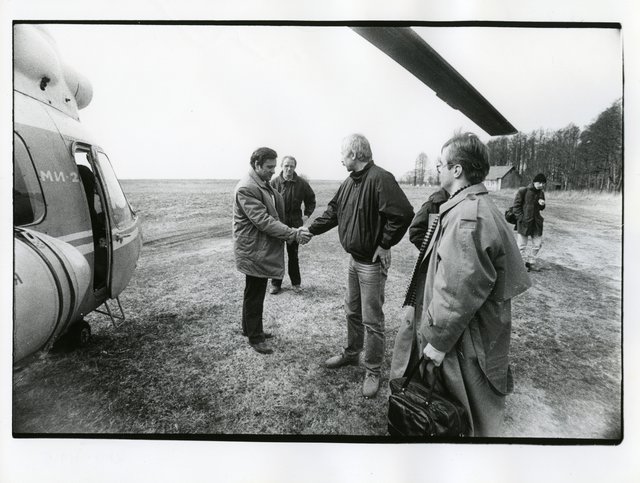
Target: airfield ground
pixel 181 366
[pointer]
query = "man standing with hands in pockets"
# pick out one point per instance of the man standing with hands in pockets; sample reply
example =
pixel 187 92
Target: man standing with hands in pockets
pixel 372 214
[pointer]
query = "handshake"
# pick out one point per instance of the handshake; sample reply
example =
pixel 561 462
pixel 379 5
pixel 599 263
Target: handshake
pixel 303 235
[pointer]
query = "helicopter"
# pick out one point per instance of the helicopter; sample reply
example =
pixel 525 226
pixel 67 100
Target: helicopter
pixel 77 239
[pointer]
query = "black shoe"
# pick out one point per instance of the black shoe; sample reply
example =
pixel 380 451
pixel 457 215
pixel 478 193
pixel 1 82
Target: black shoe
pixel 267 335
pixel 275 290
pixel 527 266
pixel 262 348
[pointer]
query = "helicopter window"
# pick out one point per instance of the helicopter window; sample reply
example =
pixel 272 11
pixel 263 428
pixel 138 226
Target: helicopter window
pixel 28 201
pixel 120 209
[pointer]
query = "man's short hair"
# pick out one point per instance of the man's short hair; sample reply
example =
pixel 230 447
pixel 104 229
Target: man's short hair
pixel 260 155
pixel 469 152
pixel 295 163
pixel 359 146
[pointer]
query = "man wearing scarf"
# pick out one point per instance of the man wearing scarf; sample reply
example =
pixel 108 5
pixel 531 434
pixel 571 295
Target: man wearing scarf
pixel 470 272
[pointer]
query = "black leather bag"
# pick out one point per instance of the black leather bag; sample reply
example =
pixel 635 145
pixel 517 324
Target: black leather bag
pixel 425 411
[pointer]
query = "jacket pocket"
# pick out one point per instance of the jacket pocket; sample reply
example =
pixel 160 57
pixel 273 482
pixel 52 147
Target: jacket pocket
pixel 248 246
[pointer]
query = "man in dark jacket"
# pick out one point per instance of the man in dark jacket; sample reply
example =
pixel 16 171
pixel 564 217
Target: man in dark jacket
pixel 528 204
pixel 425 216
pixel 372 214
pixel 295 191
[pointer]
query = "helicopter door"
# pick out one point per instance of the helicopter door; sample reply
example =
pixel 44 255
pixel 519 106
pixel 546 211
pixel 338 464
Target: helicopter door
pixel 125 232
pixel 99 227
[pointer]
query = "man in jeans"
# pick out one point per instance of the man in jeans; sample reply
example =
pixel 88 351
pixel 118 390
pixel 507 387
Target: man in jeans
pixel 294 190
pixel 372 214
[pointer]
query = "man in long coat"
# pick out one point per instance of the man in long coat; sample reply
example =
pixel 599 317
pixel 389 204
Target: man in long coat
pixel 258 241
pixel 471 271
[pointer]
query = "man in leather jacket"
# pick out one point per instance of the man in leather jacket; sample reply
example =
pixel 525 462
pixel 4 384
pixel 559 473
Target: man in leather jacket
pixel 372 214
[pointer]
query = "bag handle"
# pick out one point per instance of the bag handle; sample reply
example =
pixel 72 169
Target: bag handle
pixel 413 371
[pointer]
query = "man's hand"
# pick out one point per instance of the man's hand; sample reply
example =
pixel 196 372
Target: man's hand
pixel 303 235
pixel 541 202
pixel 384 256
pixel 434 354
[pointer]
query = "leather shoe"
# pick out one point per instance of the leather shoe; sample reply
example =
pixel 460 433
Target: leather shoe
pixel 267 335
pixel 275 290
pixel 262 348
pixel 341 360
pixel 370 385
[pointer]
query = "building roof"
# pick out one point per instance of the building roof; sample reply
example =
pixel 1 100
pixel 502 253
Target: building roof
pixel 497 172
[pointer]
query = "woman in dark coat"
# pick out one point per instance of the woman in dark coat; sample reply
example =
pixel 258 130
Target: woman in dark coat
pixel 528 204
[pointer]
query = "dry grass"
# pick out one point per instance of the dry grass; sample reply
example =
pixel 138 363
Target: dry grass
pixel 180 366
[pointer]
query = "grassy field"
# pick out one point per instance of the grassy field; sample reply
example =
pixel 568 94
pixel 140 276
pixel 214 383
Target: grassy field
pixel 181 366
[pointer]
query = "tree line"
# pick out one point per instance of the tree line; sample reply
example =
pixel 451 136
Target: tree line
pixel 572 158
pixel 575 159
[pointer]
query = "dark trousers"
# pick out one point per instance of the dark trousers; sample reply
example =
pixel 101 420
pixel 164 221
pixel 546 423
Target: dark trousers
pixel 293 265
pixel 254 291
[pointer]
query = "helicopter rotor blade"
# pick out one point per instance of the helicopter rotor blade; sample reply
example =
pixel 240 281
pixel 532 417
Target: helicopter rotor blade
pixel 410 50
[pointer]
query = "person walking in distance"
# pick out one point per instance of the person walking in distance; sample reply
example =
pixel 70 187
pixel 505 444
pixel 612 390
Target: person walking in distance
pixel 528 204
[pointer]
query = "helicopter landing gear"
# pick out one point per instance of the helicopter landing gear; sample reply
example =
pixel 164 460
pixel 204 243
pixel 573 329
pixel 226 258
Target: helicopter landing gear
pixel 79 334
pixel 82 334
pixel 76 337
pixel 112 315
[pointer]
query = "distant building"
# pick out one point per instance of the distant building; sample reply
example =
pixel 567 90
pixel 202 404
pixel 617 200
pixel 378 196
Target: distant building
pixel 553 185
pixel 501 177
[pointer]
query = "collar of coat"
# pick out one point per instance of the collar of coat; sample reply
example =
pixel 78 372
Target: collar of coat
pixel 259 181
pixel 293 179
pixel 358 175
pixel 475 189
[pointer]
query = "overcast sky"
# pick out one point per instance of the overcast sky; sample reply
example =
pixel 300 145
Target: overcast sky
pixel 139 123
pixel 195 101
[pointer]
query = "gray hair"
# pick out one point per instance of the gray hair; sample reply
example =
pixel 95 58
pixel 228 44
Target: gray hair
pixel 359 146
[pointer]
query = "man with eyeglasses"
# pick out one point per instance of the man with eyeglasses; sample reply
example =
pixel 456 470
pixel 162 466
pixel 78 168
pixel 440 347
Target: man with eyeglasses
pixel 470 272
